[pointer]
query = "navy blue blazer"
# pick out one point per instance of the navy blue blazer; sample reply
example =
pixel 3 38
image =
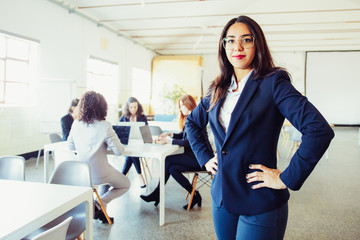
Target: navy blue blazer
pixel 142 118
pixel 66 123
pixel 252 138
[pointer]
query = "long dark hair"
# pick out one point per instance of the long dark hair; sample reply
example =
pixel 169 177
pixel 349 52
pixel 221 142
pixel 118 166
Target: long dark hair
pixel 93 106
pixel 263 64
pixel 127 113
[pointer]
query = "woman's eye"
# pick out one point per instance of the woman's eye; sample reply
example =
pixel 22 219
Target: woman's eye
pixel 231 41
pixel 247 40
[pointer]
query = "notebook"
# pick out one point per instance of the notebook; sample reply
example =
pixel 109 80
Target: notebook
pixel 123 133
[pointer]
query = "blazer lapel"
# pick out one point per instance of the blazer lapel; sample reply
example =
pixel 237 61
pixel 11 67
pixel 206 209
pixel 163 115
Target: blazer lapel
pixel 244 99
pixel 214 113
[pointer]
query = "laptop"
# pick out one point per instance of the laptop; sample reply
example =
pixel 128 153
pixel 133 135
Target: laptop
pixel 146 133
pixel 134 130
pixel 123 133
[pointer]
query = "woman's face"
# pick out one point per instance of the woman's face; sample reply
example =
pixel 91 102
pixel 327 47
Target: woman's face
pixel 185 111
pixel 75 110
pixel 133 107
pixel 239 57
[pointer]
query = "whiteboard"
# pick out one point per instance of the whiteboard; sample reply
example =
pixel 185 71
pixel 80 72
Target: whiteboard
pixel 332 84
pixel 55 97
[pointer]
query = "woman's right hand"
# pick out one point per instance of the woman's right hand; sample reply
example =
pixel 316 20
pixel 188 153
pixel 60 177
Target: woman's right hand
pixel 212 165
pixel 163 136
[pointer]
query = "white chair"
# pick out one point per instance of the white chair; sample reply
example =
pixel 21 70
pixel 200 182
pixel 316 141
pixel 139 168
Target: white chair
pixel 61 155
pixel 296 140
pixel 12 168
pixel 54 137
pixel 56 233
pixel 73 173
pixel 155 130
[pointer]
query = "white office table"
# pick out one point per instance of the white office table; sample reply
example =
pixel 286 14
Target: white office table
pixel 27 206
pixel 135 148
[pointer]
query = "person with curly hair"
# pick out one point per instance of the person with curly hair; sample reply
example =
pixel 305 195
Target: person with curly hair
pixel 91 136
pixel 133 112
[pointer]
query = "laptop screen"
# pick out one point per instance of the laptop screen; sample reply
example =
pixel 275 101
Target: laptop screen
pixel 123 133
pixel 146 134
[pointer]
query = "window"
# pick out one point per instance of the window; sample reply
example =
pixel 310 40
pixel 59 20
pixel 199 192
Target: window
pixel 141 84
pixel 102 78
pixel 17 68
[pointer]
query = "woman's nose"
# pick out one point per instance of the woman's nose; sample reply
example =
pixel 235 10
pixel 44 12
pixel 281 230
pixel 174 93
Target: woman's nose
pixel 238 45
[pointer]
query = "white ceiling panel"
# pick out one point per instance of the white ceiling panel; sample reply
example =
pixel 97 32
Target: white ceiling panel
pixel 178 27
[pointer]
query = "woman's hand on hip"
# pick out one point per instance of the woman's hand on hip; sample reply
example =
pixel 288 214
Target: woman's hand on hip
pixel 267 177
pixel 212 165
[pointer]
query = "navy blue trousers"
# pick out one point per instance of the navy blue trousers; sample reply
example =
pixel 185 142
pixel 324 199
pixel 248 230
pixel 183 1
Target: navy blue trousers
pixel 128 162
pixel 176 164
pixel 269 225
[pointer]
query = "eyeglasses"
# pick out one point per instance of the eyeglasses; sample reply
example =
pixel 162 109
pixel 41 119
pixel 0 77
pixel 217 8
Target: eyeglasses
pixel 246 41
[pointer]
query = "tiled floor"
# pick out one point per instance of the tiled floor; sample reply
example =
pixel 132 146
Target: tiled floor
pixel 327 207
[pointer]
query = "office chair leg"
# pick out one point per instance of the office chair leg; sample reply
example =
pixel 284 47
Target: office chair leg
pixel 192 184
pixel 144 170
pixel 193 190
pixel 102 206
pixel 147 167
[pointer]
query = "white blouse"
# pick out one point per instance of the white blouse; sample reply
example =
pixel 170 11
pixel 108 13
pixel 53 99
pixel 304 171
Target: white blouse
pixel 231 100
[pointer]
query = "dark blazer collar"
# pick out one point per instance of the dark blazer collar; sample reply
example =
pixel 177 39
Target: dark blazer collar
pixel 244 99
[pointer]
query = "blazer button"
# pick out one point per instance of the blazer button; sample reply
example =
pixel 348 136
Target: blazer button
pixel 224 152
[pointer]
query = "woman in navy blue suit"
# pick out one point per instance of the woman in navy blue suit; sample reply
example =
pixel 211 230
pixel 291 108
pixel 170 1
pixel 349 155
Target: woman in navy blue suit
pixel 176 164
pixel 133 112
pixel 245 106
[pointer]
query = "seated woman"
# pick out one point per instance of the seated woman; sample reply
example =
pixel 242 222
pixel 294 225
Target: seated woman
pixel 133 112
pixel 91 136
pixel 68 119
pixel 176 164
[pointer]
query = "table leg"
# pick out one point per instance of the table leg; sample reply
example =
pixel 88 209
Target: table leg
pixel 46 165
pixel 162 191
pixel 89 218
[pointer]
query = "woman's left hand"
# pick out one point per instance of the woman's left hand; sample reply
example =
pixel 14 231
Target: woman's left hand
pixel 267 177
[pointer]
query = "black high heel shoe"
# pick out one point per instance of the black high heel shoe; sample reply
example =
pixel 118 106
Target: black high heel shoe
pixel 101 216
pixel 152 197
pixel 196 200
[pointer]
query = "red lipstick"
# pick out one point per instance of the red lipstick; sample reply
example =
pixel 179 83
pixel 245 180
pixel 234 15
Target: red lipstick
pixel 239 56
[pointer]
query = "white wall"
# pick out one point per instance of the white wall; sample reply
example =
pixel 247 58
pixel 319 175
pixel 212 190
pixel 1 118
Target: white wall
pixel 66 40
pixel 294 62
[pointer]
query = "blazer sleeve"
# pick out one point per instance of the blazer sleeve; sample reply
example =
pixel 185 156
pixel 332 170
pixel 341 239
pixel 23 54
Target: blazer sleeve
pixel 316 132
pixel 143 118
pixel 195 124
pixel 65 126
pixel 181 140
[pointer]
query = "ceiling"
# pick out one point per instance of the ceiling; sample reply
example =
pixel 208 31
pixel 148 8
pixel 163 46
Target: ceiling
pixel 182 27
